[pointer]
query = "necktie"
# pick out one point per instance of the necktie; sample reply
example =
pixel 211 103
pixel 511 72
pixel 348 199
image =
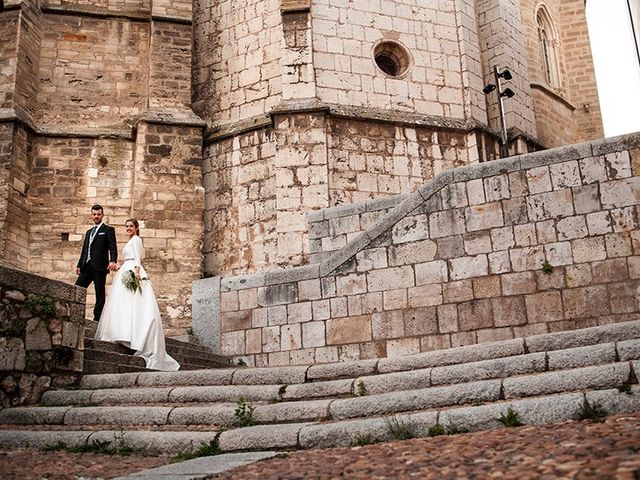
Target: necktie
pixel 91 237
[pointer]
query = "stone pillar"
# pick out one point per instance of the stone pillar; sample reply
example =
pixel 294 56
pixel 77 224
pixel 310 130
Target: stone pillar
pixel 502 43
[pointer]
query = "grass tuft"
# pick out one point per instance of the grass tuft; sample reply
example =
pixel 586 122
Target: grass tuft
pixel 592 411
pixel 399 430
pixel 510 419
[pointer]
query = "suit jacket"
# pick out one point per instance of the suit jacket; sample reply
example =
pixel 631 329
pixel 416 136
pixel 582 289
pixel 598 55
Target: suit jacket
pixel 103 248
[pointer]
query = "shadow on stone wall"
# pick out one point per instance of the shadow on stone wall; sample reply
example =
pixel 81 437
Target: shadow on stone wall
pixel 41 336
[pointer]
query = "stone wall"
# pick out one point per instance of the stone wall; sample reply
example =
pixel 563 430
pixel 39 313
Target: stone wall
pixel 96 109
pixel 38 351
pixel 560 113
pixel 531 244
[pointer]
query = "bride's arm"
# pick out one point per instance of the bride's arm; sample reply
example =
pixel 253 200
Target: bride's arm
pixel 137 254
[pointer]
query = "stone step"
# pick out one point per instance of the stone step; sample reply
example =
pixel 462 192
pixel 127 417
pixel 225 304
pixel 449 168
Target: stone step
pixel 342 433
pixel 192 356
pixel 614 375
pixel 372 384
pixel 624 335
pixel 124 361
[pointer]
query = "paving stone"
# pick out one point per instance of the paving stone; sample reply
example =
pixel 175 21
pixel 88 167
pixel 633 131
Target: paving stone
pixel 109 380
pixel 396 381
pixel 342 369
pixel 628 349
pixel 301 411
pixel 583 337
pixel 318 389
pixel 222 415
pixel 117 415
pixel 270 376
pixel 603 376
pixel 396 402
pixel 582 356
pixel 486 369
pixel 200 467
pixel 471 353
pixel 261 437
pixel 33 415
pixel 224 393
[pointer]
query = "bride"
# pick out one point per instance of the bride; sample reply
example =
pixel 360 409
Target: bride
pixel 131 315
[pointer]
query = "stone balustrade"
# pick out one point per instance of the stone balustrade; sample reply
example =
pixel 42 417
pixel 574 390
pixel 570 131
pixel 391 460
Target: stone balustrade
pixel 38 349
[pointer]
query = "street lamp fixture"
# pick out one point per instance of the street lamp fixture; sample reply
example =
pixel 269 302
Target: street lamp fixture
pixel 507 92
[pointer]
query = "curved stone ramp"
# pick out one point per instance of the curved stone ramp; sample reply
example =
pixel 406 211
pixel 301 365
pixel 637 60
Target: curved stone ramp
pixel 464 388
pixel 532 411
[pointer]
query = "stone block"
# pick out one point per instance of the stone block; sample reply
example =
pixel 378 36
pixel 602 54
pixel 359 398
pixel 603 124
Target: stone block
pixel 349 330
pixel 515 211
pixel 352 284
pixel 373 259
pixel 525 235
pixel 499 262
pixel 628 350
pixel 496 188
pixel 424 295
pixel 450 247
pixel 475 314
pixel 410 253
pixel 538 180
pixel 582 356
pixel 260 437
pixel 565 175
pixel 420 321
pixel 475 192
pixel 572 227
pixel 277 315
pixel 593 170
pixel 546 232
pixel 447 318
pixel 618 245
pixel 617 165
pixel 402 346
pixel 477 242
pixel 431 272
pixel 588 249
pixel 594 377
pixel 390 278
pixel 489 369
pixel 457 291
pixel 624 297
pixel 395 382
pixel 620 193
pixel 278 294
pixel 530 258
pixel 518 283
pixel 545 206
pixel 486 287
pixel 468 267
pixel 612 270
pixel 544 307
pixel 586 302
pixel 586 199
pixel 446 223
pixel 578 275
pixel 387 325
pixel 509 311
pixel 482 217
pixel 411 229
pixel 299 312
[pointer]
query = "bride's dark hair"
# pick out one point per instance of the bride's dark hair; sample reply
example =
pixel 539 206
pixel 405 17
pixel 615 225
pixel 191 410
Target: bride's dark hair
pixel 135 222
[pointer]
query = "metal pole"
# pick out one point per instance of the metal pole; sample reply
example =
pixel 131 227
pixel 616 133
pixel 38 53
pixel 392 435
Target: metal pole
pixel 504 151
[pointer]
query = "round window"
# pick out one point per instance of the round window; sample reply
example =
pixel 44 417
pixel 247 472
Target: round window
pixel 392 58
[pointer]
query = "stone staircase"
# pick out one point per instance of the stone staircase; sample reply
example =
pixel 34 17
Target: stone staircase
pixel 543 378
pixel 105 357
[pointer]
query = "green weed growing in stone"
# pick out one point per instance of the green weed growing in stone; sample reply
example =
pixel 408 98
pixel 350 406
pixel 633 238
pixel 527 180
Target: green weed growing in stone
pixel 547 267
pixel 40 305
pixel 189 331
pixel 626 388
pixel 241 363
pixel 361 389
pixel 510 419
pixel 399 430
pixel 17 327
pixel 204 450
pixel 244 413
pixel 103 447
pixel 282 389
pixel 362 440
pixel 591 411
pixel 436 430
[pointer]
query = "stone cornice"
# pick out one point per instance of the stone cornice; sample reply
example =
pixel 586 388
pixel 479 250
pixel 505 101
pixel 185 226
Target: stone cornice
pixel 144 15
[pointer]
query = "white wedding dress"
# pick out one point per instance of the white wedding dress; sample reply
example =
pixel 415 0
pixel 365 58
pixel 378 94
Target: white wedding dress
pixel 133 318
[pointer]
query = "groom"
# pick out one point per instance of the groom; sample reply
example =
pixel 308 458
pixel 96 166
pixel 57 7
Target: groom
pixel 99 256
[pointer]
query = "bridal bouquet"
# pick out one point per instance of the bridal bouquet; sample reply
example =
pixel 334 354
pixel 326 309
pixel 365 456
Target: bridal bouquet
pixel 132 282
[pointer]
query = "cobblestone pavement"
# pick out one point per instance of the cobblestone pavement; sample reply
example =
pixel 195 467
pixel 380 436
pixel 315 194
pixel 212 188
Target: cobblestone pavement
pixel 572 450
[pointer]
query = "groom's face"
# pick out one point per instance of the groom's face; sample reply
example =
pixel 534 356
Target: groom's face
pixel 96 216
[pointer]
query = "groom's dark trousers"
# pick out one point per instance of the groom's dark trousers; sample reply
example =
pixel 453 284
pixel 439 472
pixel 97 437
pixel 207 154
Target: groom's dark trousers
pixel 94 261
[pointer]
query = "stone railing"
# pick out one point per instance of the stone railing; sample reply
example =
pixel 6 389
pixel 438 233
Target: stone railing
pixel 41 335
pixel 530 244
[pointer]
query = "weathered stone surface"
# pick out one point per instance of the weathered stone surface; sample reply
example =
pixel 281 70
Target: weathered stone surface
pixel 434 397
pixel 34 415
pixel 133 395
pixel 318 389
pixel 628 350
pixel 193 377
pixel 582 356
pixel 301 411
pixel 270 376
pixel 31 439
pixel 224 393
pixel 108 380
pixel 487 369
pixel 261 437
pixel 222 415
pixel 394 382
pixel 471 353
pixel 584 337
pixel 605 376
pixel 343 369
pixel 117 415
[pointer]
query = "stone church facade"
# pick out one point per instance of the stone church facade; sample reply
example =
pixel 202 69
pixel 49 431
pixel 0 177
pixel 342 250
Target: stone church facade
pixel 221 124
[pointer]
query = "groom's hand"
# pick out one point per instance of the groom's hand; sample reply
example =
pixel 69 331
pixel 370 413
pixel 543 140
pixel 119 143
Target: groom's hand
pixel 112 267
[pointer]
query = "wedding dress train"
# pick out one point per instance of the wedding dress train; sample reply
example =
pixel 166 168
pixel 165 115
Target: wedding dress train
pixel 133 318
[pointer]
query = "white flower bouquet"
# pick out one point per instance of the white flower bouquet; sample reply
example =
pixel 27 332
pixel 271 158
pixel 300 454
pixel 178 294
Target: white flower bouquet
pixel 132 282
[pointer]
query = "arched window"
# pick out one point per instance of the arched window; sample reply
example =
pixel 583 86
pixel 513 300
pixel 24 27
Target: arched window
pixel 548 39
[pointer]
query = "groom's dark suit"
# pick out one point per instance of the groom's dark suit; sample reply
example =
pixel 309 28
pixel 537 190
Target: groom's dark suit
pixel 94 262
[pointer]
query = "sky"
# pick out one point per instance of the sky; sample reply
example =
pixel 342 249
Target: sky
pixel 617 66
